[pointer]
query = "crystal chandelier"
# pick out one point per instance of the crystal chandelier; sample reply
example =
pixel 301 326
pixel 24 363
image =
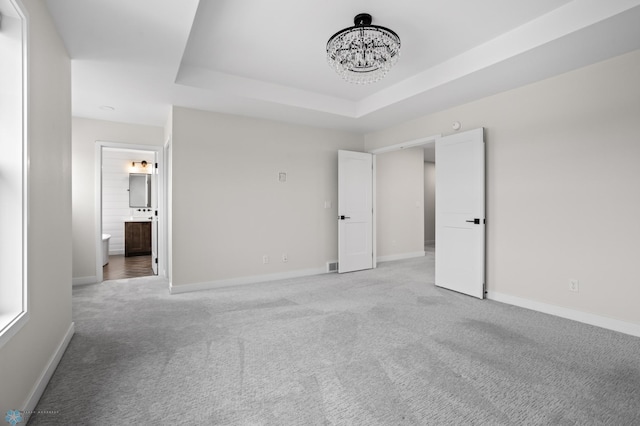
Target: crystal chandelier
pixel 363 53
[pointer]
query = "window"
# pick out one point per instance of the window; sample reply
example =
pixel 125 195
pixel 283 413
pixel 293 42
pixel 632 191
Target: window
pixel 13 176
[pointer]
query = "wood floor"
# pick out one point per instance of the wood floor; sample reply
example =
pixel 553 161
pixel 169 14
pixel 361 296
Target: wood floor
pixel 120 267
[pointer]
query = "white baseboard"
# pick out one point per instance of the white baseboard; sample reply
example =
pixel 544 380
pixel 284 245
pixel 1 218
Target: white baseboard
pixel 84 280
pixel 559 311
pixel 185 288
pixel 46 374
pixel 116 252
pixel 400 256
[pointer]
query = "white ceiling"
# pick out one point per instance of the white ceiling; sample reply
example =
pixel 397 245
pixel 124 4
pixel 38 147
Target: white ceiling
pixel 267 59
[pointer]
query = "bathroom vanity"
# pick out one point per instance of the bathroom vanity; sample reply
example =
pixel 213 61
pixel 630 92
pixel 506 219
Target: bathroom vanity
pixel 137 237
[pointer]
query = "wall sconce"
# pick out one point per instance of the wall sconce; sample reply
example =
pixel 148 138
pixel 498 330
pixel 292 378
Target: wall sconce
pixel 140 167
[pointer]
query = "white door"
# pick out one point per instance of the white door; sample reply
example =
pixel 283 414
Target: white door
pixel 355 211
pixel 460 214
pixel 154 218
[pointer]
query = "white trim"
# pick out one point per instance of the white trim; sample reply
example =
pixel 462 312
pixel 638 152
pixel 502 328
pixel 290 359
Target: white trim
pixel 159 158
pixel 116 252
pixel 406 145
pixel 45 376
pixel 559 311
pixel 10 324
pixel 232 282
pixel 84 280
pixel 401 256
pixel 26 170
pixel 165 266
pixel 98 211
pixel 374 210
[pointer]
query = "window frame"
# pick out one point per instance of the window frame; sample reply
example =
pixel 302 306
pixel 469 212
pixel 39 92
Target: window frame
pixel 13 321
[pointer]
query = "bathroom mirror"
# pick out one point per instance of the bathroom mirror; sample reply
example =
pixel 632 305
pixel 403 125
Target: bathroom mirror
pixel 139 190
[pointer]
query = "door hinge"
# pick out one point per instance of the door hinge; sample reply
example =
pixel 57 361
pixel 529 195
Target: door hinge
pixel 156 212
pixel 156 165
pixel 156 260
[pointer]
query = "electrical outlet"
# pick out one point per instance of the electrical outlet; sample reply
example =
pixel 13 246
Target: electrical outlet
pixel 574 285
pixel 265 259
pixel 285 258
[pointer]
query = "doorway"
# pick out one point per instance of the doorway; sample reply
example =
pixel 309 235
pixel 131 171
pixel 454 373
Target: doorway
pixel 460 219
pixel 404 205
pixel 429 198
pixel 129 193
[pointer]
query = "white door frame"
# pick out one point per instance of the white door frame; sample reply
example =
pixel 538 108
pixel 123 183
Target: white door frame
pixel 428 140
pixel 162 237
pixel 167 252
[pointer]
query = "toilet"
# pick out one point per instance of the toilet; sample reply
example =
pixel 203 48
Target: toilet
pixel 105 248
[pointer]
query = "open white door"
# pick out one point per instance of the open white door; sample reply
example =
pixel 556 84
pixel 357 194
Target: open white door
pixel 154 218
pixel 355 210
pixel 460 212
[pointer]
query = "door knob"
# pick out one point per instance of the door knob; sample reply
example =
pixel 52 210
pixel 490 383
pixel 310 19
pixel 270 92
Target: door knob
pixel 343 217
pixel 475 221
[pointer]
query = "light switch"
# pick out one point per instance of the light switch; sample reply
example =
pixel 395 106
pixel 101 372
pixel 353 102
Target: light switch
pixel 282 177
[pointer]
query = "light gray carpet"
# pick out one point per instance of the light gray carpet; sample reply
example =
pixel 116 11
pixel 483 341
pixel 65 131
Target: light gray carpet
pixel 379 347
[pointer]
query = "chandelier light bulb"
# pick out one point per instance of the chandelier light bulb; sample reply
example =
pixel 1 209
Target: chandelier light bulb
pixel 364 53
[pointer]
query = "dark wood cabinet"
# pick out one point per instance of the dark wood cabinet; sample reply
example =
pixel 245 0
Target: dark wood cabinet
pixel 137 238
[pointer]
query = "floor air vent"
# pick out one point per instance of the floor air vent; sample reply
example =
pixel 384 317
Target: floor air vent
pixel 332 266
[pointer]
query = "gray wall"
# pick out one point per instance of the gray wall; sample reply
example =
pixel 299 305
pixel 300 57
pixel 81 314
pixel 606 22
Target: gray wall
pixel 400 203
pixel 562 184
pixel 228 208
pixel 25 357
pixel 85 134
